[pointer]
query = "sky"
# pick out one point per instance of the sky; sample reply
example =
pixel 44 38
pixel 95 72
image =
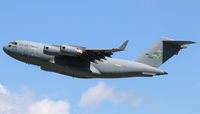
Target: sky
pixel 25 89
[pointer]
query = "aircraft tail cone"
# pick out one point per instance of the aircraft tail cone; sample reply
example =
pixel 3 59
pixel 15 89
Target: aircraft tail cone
pixel 164 73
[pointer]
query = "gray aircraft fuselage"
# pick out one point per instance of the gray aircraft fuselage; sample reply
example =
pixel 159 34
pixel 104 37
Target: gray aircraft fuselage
pixel 32 53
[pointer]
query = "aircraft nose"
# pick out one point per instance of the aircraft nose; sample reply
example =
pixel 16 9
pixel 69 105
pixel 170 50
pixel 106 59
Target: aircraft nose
pixel 5 48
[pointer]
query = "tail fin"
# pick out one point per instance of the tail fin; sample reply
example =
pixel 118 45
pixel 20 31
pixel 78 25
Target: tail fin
pixel 163 50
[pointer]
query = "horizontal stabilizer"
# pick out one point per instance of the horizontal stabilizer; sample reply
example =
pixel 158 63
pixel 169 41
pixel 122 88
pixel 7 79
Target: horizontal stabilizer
pixel 180 42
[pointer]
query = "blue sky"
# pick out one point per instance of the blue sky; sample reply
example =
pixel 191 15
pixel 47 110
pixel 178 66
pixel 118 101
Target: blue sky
pixel 102 24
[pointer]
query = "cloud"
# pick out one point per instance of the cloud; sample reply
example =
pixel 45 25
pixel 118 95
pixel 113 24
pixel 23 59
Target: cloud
pixel 94 96
pixel 13 103
pixel 50 107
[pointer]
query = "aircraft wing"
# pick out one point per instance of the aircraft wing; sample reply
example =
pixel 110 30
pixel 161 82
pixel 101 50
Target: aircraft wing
pixel 93 54
pixel 89 54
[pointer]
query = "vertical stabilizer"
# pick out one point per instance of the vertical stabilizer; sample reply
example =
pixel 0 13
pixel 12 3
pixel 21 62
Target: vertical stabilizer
pixel 163 50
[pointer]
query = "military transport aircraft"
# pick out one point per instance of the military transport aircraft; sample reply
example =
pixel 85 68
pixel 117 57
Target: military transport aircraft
pixel 83 62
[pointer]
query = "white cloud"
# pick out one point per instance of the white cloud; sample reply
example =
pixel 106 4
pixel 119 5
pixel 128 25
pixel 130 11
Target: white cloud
pixel 12 103
pixel 50 107
pixel 95 95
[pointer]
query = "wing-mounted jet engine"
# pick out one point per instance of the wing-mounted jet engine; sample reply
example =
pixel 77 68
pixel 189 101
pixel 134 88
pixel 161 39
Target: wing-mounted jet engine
pixel 68 50
pixel 51 50
pixel 71 50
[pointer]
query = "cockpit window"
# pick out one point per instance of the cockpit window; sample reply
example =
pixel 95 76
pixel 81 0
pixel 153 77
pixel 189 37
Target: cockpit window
pixel 15 43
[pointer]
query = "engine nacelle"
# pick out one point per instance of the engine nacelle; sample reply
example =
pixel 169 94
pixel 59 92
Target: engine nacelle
pixel 51 50
pixel 70 50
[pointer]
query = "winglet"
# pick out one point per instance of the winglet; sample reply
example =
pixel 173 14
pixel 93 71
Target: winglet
pixel 123 46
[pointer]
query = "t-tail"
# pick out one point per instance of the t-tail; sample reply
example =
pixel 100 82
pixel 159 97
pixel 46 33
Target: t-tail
pixel 163 50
